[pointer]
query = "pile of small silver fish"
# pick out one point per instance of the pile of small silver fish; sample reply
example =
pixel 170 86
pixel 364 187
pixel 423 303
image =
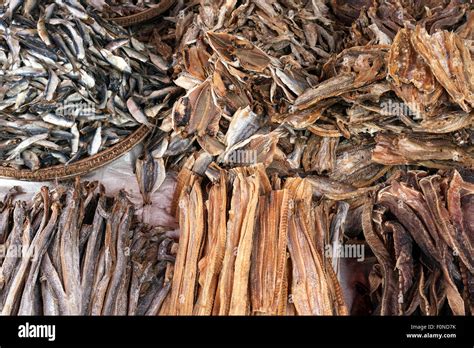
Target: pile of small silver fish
pixel 72 250
pixel 71 83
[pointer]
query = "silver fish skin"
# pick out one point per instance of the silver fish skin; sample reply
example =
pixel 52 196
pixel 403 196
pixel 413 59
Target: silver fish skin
pixel 74 35
pixel 25 144
pixel 116 44
pixel 75 139
pixel 52 85
pixel 96 142
pixel 57 120
pixel 13 5
pixel 74 10
pixel 134 54
pixel 43 32
pixel 137 113
pixel 48 12
pixel 117 62
pixel 62 158
pixel 17 88
pixel 21 98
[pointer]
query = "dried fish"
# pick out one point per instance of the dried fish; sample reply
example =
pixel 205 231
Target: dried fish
pixel 243 268
pixel 191 215
pixel 71 81
pixel 53 268
pixel 297 127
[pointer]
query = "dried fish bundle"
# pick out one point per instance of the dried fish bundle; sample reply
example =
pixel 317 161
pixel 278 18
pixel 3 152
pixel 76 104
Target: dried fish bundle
pixel 418 227
pixel 210 265
pixel 74 251
pixel 255 254
pixel 315 287
pixel 191 219
pixel 269 282
pixel 73 84
pixel 235 273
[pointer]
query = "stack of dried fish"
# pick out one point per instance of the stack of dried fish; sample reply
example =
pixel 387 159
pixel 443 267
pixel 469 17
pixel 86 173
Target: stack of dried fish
pixel 73 250
pixel 252 68
pixel 420 228
pixel 248 246
pixel 71 83
pixel 304 88
pixel 348 96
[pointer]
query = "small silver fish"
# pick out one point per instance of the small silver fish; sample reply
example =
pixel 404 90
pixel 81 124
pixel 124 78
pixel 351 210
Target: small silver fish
pixel 75 139
pixel 13 5
pixel 115 44
pixel 96 142
pixel 52 85
pixel 116 61
pixel 25 144
pixel 137 113
pixel 58 120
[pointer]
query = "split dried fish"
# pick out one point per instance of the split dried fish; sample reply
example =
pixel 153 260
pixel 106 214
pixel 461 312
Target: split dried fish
pixel 420 220
pixel 253 260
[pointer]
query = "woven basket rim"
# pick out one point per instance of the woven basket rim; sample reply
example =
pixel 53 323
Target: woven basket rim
pixel 81 167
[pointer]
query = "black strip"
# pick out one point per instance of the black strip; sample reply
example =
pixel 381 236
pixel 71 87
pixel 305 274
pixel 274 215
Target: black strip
pixel 197 331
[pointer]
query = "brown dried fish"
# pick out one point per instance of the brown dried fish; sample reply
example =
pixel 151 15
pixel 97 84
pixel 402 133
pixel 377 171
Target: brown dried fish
pixel 268 279
pixel 191 217
pixel 211 263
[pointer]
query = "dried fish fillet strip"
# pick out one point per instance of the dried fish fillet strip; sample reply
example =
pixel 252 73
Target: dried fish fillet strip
pixel 269 255
pixel 309 290
pixel 211 264
pixel 191 217
pixel 456 76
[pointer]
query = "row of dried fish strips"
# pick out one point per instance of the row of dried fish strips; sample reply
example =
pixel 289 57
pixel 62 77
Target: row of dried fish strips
pixel 250 245
pixel 73 250
pixel 421 229
pixel 416 223
pixel 72 83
